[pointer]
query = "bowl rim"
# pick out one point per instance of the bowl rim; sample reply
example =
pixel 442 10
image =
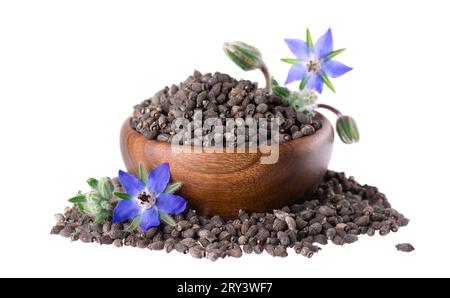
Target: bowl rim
pixel 326 125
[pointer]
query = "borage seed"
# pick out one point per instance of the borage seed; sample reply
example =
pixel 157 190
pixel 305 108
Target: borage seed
pixel 341 210
pixel 235 252
pixel 197 252
pixel 405 247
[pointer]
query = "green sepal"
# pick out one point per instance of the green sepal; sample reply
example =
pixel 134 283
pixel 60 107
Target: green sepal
pixel 309 39
pixel 334 54
pixel 94 196
pixel 122 195
pixel 80 208
pixel 309 113
pixel 251 52
pixel 134 224
pixel 143 173
pixel 237 61
pixel 347 129
pixel 92 183
pixel 247 57
pixel 100 217
pixel 78 199
pixel 167 219
pixel 173 187
pixel 290 60
pixel 327 82
pixel 303 84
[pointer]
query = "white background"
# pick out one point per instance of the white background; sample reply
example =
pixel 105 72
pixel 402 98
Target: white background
pixel 70 71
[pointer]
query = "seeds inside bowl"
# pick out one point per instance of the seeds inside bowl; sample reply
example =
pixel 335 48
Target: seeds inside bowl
pixel 207 101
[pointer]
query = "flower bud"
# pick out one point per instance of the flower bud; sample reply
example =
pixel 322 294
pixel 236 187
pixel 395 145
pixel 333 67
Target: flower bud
pixel 347 129
pixel 105 188
pixel 93 196
pixel 303 101
pixel 245 56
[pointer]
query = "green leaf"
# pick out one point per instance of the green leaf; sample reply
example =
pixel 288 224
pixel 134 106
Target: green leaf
pixel 327 82
pixel 290 60
pixel 274 82
pixel 122 195
pixel 279 90
pixel 167 219
pixel 303 84
pixel 282 92
pixel 78 199
pixel 92 183
pixel 143 173
pixel 334 54
pixel 309 39
pixel 173 187
pixel 134 224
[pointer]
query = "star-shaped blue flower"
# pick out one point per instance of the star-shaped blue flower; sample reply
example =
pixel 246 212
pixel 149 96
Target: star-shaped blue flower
pixel 313 65
pixel 147 200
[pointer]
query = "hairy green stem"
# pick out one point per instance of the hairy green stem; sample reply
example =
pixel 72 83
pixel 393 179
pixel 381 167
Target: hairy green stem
pixel 330 108
pixel 266 73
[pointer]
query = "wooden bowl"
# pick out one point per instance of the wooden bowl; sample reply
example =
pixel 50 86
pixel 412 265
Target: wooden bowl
pixel 223 183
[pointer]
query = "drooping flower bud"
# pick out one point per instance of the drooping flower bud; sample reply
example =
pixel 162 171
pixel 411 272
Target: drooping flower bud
pixel 347 129
pixel 247 57
pixel 244 55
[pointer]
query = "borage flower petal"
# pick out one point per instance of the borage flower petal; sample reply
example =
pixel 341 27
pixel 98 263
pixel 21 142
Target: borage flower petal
pixel 335 69
pixel 316 65
pixel 315 82
pixel 133 185
pixel 149 219
pixel 159 178
pixel 299 48
pixel 171 204
pixel 126 210
pixel 148 200
pixel 324 45
pixel 297 72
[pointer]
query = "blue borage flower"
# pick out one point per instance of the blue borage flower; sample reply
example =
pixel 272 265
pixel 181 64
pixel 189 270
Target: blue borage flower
pixel 147 200
pixel 312 64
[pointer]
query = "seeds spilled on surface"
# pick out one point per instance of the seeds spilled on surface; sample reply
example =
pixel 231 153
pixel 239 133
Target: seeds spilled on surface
pixel 341 210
